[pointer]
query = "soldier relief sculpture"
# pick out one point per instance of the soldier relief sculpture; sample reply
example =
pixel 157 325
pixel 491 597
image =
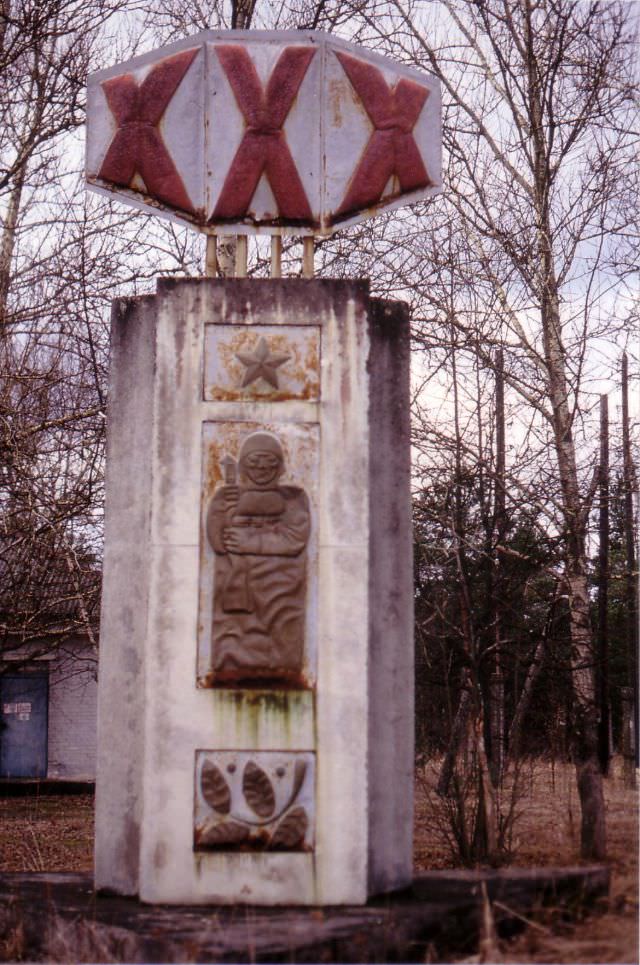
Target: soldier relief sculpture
pixel 259 531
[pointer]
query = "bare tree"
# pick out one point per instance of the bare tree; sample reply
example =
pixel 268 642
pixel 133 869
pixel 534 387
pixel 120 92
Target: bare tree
pixel 60 265
pixel 540 193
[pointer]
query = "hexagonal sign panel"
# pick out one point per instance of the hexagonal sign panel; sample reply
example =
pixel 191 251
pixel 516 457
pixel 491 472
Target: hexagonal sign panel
pixel 264 132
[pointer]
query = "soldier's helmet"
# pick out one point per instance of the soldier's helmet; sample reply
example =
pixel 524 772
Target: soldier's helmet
pixel 261 442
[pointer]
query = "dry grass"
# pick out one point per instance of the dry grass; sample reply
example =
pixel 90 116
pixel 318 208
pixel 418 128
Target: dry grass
pixel 55 833
pixel 547 833
pixel 46 833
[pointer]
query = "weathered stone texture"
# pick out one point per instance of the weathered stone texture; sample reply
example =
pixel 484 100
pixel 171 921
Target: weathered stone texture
pixel 124 596
pixel 194 534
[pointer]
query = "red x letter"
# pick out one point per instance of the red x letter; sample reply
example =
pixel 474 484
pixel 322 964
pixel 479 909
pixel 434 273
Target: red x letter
pixel 138 145
pixel 264 146
pixel 391 149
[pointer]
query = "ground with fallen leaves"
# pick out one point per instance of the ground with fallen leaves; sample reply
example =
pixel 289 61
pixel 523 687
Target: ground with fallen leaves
pixel 46 833
pixel 55 833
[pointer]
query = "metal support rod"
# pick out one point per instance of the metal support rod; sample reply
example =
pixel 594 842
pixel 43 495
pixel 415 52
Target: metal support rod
pixel 226 255
pixel 241 256
pixel 276 256
pixel 211 257
pixel 307 256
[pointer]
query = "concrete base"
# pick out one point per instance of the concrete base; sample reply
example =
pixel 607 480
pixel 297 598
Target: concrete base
pixel 57 917
pixel 296 786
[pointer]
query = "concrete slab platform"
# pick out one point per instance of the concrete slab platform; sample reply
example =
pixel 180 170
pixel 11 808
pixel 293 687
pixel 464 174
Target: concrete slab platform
pixel 59 917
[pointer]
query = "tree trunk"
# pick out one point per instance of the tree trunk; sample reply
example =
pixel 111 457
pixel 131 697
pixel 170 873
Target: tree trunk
pixel 514 742
pixel 458 731
pixel 584 735
pixel 7 245
pixel 241 14
pixel 584 731
pixel 628 755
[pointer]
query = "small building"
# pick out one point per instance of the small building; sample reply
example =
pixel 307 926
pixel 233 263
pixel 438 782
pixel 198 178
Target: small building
pixel 48 704
pixel 48 666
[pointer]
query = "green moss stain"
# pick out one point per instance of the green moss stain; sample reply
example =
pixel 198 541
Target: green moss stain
pixel 252 713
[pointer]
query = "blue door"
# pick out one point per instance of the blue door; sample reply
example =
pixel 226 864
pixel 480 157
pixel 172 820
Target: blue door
pixel 23 725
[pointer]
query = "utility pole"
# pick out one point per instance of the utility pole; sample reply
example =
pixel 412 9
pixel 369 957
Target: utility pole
pixel 631 582
pixel 603 591
pixel 497 676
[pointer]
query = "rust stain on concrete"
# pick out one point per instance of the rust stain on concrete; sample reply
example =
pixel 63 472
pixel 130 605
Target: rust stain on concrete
pixel 335 95
pixel 269 679
pixel 298 378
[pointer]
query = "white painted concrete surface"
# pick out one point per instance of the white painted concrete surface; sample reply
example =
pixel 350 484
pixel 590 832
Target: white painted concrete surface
pixel 154 718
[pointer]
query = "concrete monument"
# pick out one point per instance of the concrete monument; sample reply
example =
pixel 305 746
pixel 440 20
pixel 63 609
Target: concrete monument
pixel 256 666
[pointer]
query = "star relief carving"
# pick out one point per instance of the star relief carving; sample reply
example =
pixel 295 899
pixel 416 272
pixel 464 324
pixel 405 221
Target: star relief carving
pixel 261 363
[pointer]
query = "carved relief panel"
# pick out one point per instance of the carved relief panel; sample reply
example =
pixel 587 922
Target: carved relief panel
pixel 258 590
pixel 254 801
pixel 261 362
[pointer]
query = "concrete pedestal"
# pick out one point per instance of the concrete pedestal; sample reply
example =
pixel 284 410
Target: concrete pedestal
pixel 256 666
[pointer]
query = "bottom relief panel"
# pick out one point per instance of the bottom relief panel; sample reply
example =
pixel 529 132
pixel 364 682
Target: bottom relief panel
pixel 254 801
